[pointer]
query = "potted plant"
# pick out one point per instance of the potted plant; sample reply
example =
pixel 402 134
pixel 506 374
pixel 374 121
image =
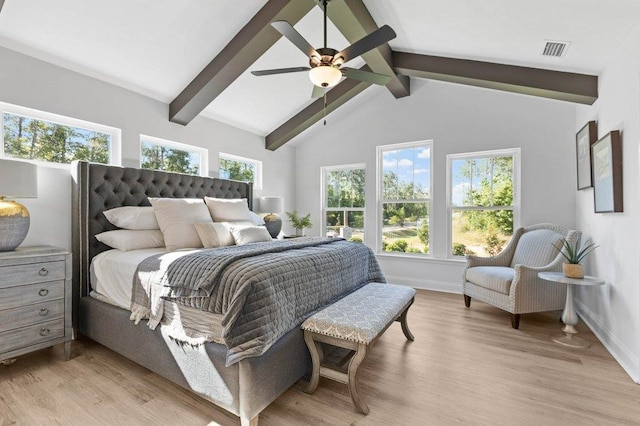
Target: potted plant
pixel 573 255
pixel 299 222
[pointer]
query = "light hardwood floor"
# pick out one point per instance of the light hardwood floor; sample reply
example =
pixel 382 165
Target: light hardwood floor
pixel 466 366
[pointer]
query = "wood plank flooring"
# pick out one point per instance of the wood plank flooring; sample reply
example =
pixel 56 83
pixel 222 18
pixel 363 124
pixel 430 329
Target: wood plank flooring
pixel 466 366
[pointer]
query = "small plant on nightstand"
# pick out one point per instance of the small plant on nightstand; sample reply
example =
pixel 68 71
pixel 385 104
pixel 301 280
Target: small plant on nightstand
pixel 573 255
pixel 299 223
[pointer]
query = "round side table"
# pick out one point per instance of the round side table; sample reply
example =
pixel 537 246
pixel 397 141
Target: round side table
pixel 569 315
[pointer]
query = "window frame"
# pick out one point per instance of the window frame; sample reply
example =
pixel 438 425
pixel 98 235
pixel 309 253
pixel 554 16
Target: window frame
pixel 203 152
pixel 115 147
pixel 516 207
pixel 257 164
pixel 324 208
pixel 380 150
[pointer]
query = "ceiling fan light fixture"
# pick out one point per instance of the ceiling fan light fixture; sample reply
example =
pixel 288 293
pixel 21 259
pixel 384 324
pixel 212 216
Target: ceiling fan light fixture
pixel 325 76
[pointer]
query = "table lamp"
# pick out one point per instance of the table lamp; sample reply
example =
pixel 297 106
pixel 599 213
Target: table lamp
pixel 272 221
pixel 18 179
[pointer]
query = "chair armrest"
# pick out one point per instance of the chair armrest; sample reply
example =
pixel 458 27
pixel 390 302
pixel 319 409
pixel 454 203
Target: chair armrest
pixel 530 293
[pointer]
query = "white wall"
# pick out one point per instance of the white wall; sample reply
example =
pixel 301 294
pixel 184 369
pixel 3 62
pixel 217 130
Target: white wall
pixel 613 310
pixel 31 83
pixel 458 119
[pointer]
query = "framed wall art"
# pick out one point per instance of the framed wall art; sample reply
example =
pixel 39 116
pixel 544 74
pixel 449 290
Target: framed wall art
pixel 607 173
pixel 585 138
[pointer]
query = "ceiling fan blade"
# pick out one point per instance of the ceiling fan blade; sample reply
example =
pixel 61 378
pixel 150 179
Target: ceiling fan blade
pixel 280 71
pixel 318 92
pixel 287 30
pixel 366 43
pixel 370 77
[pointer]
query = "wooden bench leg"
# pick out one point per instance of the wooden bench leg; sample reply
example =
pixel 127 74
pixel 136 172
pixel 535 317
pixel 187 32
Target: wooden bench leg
pixel 315 349
pixel 403 323
pixel 361 352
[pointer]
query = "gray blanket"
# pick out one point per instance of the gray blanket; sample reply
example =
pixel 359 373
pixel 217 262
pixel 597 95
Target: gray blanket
pixel 263 290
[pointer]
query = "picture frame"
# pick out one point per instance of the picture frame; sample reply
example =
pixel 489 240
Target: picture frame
pixel 585 138
pixel 607 173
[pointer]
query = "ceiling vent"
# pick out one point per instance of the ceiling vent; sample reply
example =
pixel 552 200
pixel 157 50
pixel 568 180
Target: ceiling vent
pixel 555 49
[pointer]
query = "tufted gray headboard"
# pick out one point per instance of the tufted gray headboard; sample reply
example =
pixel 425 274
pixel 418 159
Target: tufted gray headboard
pixel 99 187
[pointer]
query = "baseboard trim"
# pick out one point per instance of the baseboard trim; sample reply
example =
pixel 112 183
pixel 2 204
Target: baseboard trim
pixel 626 358
pixel 441 286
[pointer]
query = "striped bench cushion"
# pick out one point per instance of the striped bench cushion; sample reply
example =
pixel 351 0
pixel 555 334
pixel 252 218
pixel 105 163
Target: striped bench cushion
pixel 363 314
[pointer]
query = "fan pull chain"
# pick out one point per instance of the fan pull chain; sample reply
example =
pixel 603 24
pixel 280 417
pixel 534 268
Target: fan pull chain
pixel 325 108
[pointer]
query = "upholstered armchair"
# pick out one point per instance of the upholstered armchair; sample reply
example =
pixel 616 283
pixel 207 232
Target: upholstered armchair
pixel 510 280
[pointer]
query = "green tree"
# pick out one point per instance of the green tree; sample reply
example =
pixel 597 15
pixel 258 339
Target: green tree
pixel 42 140
pixel 491 184
pixel 159 157
pixel 236 170
pixel 423 232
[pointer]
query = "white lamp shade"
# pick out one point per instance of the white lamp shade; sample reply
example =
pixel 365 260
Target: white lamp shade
pixel 18 179
pixel 325 76
pixel 271 204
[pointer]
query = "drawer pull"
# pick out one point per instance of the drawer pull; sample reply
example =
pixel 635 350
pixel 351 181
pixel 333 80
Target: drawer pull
pixel 43 272
pixel 45 331
pixel 43 292
pixel 44 312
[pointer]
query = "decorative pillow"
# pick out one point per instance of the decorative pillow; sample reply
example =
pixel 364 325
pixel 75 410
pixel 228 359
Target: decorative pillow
pixel 176 217
pixel 249 234
pixel 125 239
pixel 256 218
pixel 228 209
pixel 133 218
pixel 214 234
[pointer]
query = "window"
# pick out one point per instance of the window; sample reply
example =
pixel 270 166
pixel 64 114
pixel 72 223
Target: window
pixel 483 199
pixel 343 201
pixel 404 175
pixel 239 168
pixel 38 135
pixel 168 156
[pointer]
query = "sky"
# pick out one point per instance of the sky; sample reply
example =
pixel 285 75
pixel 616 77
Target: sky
pixel 410 165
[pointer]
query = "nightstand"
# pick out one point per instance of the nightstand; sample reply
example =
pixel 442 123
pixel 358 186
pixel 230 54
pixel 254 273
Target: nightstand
pixel 35 300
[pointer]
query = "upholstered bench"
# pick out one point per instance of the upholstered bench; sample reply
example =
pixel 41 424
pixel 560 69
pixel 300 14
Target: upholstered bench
pixel 355 322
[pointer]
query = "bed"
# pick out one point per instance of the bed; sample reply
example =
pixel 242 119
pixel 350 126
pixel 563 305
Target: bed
pixel 244 386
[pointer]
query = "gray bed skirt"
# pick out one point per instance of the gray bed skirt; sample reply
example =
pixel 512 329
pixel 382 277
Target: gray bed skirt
pixel 244 389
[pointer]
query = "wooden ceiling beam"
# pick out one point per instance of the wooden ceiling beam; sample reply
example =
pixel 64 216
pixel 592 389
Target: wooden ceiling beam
pixel 1 4
pixel 336 97
pixel 243 50
pixel 354 21
pixel 565 86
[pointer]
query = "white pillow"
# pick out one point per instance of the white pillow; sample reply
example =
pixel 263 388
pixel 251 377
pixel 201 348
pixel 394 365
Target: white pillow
pixel 131 217
pixel 125 239
pixel 176 217
pixel 249 234
pixel 213 234
pixel 228 209
pixel 256 218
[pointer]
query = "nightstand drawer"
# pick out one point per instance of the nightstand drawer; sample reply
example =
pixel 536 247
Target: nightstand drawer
pixel 31 273
pixel 14 297
pixel 26 315
pixel 31 335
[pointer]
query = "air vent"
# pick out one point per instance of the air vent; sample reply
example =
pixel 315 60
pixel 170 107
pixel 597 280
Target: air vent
pixel 555 49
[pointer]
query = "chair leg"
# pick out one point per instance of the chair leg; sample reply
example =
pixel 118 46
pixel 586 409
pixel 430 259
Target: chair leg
pixel 467 301
pixel 515 321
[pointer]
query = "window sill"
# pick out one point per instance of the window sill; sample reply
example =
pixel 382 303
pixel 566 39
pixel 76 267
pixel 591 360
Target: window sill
pixel 420 258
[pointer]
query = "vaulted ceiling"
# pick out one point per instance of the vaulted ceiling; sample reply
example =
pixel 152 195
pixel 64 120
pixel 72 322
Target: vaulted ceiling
pixel 196 55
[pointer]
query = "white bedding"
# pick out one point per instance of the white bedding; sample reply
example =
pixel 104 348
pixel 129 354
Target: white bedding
pixel 112 274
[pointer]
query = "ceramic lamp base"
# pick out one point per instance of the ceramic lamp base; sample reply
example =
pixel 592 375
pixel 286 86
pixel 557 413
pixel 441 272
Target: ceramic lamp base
pixel 273 223
pixel 14 224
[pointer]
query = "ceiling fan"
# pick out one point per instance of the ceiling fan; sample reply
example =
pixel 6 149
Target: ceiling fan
pixel 325 64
